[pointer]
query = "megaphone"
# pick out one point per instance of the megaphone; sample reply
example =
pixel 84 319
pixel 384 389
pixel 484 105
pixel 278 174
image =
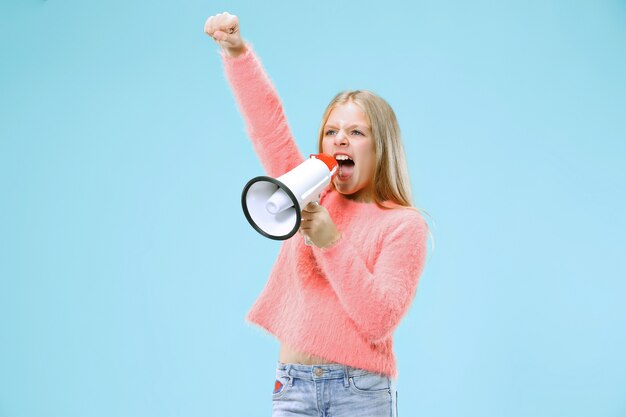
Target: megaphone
pixel 273 205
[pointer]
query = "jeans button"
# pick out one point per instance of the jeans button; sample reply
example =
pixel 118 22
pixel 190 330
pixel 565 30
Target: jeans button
pixel 319 371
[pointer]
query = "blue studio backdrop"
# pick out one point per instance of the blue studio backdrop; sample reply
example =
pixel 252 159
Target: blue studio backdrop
pixel 127 265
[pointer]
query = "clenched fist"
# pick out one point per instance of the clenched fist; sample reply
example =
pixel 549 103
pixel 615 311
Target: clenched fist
pixel 224 29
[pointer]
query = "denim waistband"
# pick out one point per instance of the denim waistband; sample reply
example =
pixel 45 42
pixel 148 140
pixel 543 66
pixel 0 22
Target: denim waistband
pixel 324 371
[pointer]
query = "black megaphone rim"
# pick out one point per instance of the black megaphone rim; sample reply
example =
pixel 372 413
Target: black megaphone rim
pixel 282 187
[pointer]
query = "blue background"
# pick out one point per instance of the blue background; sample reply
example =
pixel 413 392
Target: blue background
pixel 127 266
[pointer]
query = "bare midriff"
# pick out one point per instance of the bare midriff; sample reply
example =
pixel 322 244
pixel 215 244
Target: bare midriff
pixel 290 355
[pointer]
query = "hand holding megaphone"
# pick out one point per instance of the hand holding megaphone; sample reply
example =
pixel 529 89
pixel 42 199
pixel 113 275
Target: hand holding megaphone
pixel 273 206
pixel 317 226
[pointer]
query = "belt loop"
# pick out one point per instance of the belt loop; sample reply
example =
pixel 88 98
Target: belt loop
pixel 345 377
pixel 289 375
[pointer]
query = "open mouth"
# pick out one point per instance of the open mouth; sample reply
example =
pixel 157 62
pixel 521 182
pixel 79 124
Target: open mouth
pixel 346 167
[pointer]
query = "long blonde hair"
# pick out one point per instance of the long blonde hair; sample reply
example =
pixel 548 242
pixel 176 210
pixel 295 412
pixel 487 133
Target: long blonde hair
pixel 392 186
pixel 391 176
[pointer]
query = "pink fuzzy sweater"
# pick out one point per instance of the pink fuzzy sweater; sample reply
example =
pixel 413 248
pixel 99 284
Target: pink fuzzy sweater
pixel 341 303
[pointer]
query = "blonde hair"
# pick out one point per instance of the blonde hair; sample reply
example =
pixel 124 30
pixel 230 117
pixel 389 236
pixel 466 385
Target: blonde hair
pixel 392 186
pixel 391 176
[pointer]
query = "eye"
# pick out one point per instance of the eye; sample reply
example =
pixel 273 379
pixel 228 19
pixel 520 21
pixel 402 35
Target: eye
pixel 357 132
pixel 329 132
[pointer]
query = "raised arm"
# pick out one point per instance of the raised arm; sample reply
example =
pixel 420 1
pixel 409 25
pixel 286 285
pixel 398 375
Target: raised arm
pixel 256 97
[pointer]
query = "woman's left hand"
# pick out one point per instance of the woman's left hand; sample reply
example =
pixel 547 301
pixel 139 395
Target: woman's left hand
pixel 318 226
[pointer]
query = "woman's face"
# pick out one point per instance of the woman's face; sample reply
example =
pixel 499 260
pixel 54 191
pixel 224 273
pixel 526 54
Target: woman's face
pixel 348 138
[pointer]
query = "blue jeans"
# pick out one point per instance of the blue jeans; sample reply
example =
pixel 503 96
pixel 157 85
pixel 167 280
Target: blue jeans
pixel 332 391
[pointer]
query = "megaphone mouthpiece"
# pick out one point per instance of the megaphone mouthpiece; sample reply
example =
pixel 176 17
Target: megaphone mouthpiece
pixel 330 162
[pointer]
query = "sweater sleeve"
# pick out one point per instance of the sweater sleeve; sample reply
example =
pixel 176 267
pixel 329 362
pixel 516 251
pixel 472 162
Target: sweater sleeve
pixel 377 300
pixel 262 111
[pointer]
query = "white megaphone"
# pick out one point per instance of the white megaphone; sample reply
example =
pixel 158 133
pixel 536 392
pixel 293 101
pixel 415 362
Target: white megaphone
pixel 273 205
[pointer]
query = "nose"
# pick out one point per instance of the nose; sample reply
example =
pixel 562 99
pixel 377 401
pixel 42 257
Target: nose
pixel 341 139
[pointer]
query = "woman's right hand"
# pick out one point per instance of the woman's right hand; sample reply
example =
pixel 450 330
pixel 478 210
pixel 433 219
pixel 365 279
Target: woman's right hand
pixel 224 29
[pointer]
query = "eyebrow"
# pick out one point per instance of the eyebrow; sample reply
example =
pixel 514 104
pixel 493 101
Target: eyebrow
pixel 362 127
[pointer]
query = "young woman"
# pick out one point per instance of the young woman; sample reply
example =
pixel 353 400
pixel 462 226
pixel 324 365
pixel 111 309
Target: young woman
pixel 334 304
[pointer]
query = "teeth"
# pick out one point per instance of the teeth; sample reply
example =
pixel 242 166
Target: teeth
pixel 343 158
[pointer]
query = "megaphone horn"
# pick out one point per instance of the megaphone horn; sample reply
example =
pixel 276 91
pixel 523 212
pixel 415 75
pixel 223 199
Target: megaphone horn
pixel 273 205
